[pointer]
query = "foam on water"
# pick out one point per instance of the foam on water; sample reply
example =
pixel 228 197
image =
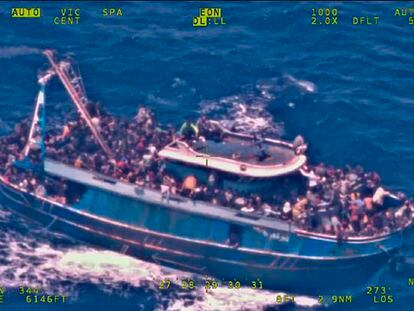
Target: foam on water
pixel 303 85
pixel 249 112
pixel 34 262
pixel 237 299
pixel 246 112
pixel 178 82
pixel 13 51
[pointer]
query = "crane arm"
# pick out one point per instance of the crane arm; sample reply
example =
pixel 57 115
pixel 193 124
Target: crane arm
pixel 66 81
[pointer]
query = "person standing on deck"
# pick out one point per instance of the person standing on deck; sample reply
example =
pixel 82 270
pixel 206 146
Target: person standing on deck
pixel 189 130
pixel 204 126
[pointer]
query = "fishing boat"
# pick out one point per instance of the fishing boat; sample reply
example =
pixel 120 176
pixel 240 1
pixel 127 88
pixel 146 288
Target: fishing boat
pixel 197 236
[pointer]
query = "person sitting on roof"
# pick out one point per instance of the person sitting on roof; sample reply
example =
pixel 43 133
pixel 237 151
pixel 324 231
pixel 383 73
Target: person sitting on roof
pixel 142 115
pixel 313 179
pixel 78 162
pixel 189 185
pixel 40 190
pixel 404 211
pixel 261 150
pixel 378 198
pixel 286 211
pixel 189 130
pixel 204 126
pixel 248 208
pixel 299 144
pixel 66 131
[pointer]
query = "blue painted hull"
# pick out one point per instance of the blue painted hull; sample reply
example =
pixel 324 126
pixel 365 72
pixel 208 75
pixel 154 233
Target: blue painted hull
pixel 276 270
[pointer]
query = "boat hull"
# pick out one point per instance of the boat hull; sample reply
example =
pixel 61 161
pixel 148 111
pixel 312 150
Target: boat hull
pixel 267 187
pixel 224 263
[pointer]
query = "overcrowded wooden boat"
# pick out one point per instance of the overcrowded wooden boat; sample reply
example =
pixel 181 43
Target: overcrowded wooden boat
pixel 135 207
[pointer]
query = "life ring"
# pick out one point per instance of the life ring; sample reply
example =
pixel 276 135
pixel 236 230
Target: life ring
pixel 243 167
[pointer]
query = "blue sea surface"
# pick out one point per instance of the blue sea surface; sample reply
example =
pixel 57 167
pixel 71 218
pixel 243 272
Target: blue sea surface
pixel 347 89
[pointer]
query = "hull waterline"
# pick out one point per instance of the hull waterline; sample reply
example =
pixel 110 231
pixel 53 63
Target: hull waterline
pixel 276 271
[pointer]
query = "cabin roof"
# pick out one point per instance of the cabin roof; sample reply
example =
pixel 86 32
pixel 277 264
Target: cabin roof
pixel 105 183
pixel 247 151
pixel 238 155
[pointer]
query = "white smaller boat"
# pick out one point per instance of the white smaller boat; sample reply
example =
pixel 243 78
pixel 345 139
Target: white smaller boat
pixel 238 154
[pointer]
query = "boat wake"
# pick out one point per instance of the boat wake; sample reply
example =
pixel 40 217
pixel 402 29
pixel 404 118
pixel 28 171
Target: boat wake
pixel 33 257
pixel 13 51
pixel 249 112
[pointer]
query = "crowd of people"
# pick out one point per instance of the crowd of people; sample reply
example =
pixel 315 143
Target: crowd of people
pixel 342 202
pixel 349 201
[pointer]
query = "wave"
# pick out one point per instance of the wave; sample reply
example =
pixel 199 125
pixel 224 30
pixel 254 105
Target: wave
pixel 31 259
pixel 178 82
pixel 13 51
pixel 303 85
pixel 239 299
pixel 247 112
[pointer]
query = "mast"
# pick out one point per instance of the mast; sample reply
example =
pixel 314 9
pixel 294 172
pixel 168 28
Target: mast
pixel 74 87
pixel 37 128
